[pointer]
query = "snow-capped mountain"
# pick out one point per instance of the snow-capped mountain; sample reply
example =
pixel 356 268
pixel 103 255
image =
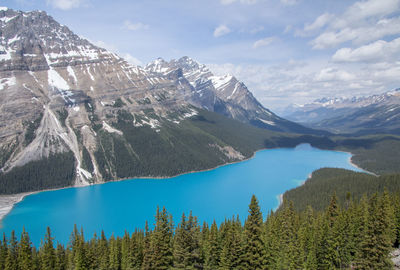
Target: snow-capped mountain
pixel 369 114
pixel 222 94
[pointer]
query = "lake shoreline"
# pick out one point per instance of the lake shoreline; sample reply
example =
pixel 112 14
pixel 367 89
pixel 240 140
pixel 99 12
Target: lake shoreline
pixel 280 196
pixel 7 202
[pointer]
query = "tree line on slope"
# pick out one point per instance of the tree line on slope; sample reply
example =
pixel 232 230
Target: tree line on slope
pixel 359 235
pixel 55 171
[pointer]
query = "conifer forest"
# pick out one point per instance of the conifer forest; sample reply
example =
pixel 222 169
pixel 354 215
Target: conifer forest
pixel 357 234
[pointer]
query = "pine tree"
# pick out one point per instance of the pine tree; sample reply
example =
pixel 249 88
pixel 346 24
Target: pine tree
pixel 328 249
pixel 115 254
pixel 181 249
pixel 161 241
pixel 3 251
pixel 288 243
pixel 61 258
pixel 79 251
pixel 25 252
pixel 137 246
pixel 187 253
pixel 205 232
pixel 103 251
pixel 126 252
pixel 147 263
pixel 232 246
pixel 48 257
pixel 272 240
pixel 213 250
pixel 92 258
pixel 12 252
pixel 377 232
pixel 36 264
pixel 307 241
pixel 254 250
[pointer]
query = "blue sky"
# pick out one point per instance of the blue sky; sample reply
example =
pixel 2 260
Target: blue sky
pixel 286 51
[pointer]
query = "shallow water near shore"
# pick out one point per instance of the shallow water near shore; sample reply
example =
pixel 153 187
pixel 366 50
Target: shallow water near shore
pixel 215 194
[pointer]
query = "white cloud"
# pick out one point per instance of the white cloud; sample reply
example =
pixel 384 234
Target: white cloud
pixel 332 74
pixel 365 9
pixel 377 51
pixel 358 35
pixel 320 22
pixel 263 42
pixel 221 30
pixel 64 4
pixel 135 26
pixel 132 60
pixel 362 22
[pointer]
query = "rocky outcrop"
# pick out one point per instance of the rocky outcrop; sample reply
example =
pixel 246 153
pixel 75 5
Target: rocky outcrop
pixel 395 254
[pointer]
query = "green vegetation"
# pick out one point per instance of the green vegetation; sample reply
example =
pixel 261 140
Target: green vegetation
pixel 30 131
pixel 173 149
pixel 6 152
pixel 62 116
pixel 317 190
pixel 56 171
pixel 118 103
pixel 359 235
pixel 381 155
pixel 86 160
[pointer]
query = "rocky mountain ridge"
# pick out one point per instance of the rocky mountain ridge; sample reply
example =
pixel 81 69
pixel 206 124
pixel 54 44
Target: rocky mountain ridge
pixel 369 114
pixel 223 94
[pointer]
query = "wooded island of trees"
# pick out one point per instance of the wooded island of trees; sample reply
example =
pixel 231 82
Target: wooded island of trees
pixel 356 235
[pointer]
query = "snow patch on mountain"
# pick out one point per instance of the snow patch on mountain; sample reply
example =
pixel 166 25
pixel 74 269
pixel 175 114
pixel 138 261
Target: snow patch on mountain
pixel 7 82
pixel 55 80
pixel 72 73
pixel 220 82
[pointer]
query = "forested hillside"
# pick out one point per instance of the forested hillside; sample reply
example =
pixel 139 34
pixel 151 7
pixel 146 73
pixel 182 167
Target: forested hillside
pixel 317 190
pixel 358 235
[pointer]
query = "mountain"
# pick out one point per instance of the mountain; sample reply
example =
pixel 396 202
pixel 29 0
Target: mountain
pixel 361 115
pixel 222 94
pixel 72 113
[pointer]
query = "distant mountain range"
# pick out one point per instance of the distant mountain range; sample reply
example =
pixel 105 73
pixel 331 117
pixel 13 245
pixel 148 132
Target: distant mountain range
pixel 357 115
pixel 66 100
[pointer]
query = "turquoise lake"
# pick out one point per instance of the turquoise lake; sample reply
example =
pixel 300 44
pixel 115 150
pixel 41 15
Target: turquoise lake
pixel 215 194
